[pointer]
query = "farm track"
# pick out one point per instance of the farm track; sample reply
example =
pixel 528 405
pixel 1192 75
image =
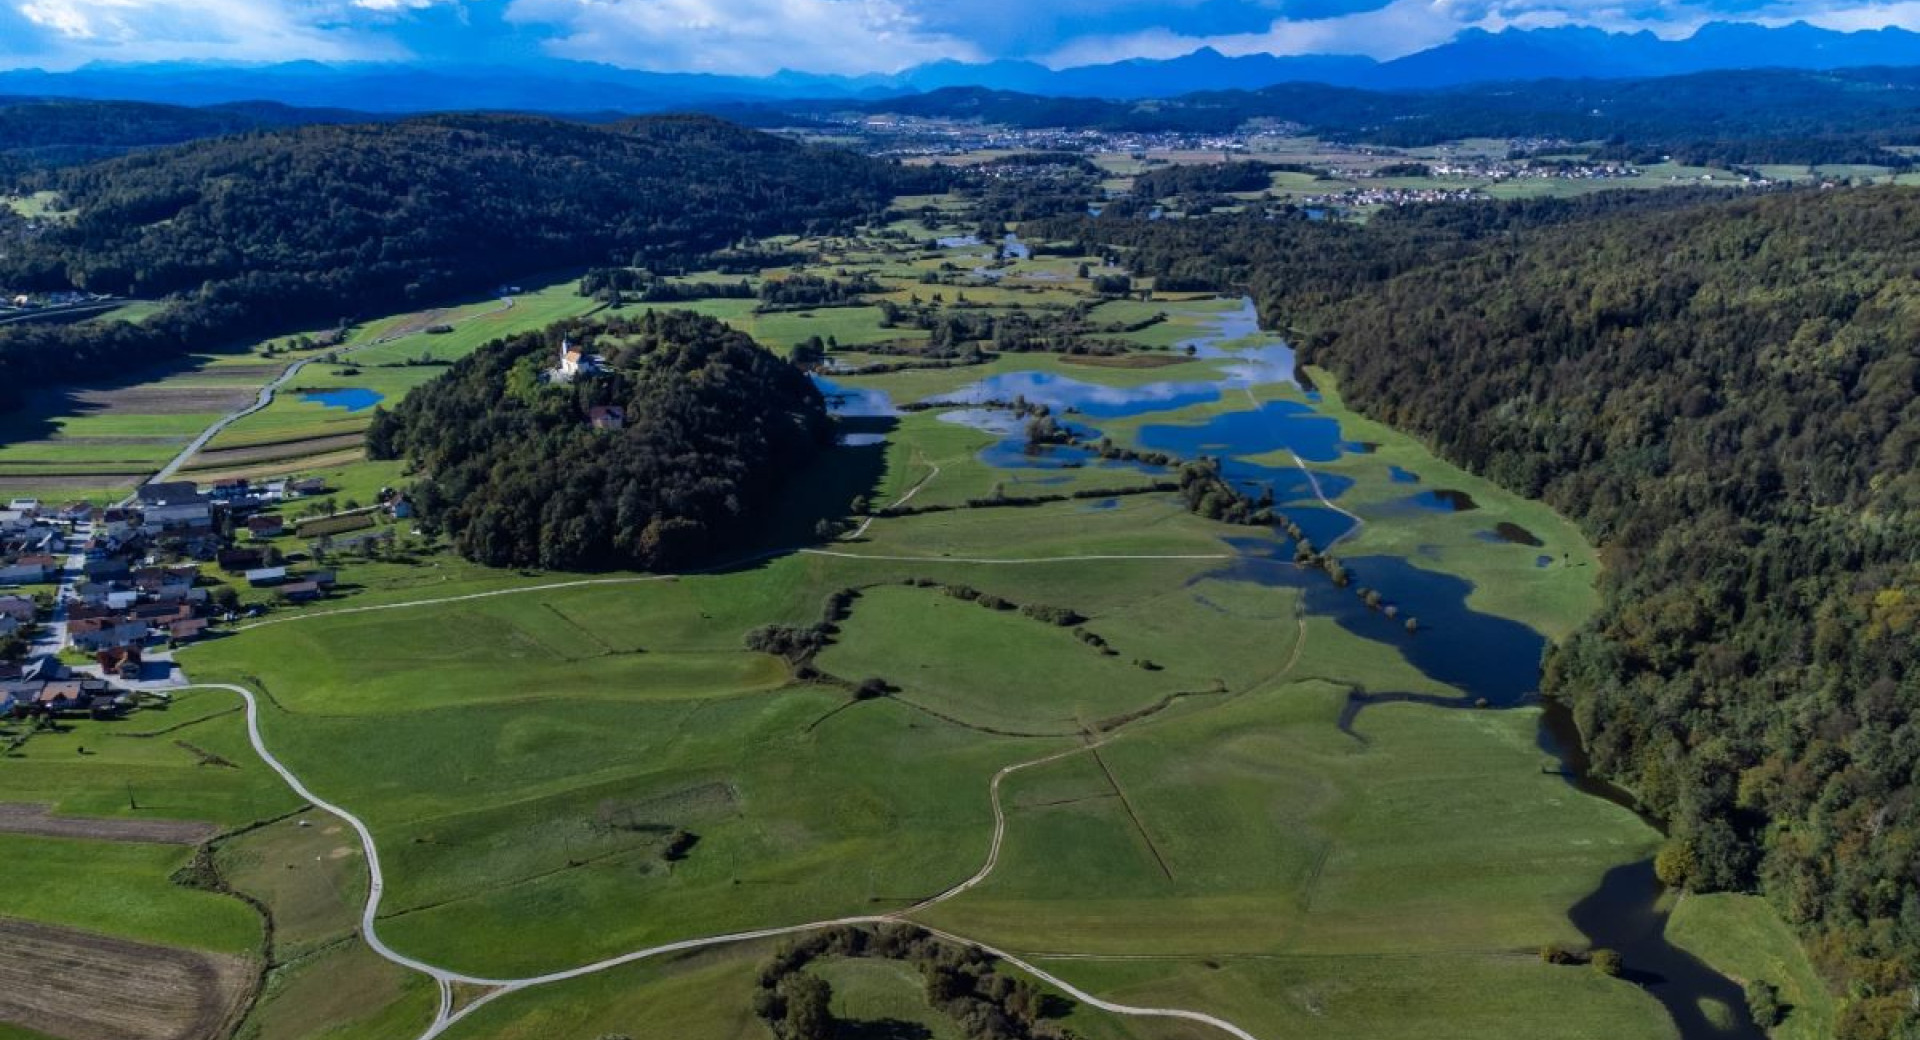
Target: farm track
pixel 266 395
pixel 448 1015
pixel 1313 481
pixel 493 989
pixel 448 982
pixel 519 590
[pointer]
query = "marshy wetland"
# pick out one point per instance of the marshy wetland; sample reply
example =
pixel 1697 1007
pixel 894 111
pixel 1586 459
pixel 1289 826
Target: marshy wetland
pixel 1053 711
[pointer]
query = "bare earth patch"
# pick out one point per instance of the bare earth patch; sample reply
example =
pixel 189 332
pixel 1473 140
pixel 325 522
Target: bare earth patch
pixel 87 482
pixel 26 818
pixel 81 986
pixel 163 400
pixel 284 467
pixel 276 451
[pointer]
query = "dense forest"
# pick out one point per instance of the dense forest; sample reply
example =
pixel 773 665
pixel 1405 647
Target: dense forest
pixel 1726 395
pixel 1728 399
pixel 266 231
pixel 59 131
pixel 514 471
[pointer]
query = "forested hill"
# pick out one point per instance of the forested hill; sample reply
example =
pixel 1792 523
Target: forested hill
pixel 514 471
pixel 430 204
pixel 59 131
pixel 266 230
pixel 1727 397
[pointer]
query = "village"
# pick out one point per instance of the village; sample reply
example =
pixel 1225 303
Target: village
pixel 95 599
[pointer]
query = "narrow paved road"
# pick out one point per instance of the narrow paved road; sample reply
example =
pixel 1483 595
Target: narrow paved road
pixel 260 401
pixel 446 1015
pixel 266 395
pixel 53 634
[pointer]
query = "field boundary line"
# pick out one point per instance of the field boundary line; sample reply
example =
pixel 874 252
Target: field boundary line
pixel 445 979
pixel 1127 804
pixel 265 397
pixel 641 579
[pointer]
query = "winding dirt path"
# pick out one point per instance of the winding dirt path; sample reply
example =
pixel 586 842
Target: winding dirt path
pixel 519 590
pixel 446 1015
pixel 445 979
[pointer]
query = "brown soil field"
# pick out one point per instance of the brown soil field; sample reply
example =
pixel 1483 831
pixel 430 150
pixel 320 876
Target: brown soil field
pixel 300 464
pixel 26 818
pixel 293 449
pixel 413 324
pixel 77 985
pixel 260 373
pixel 162 400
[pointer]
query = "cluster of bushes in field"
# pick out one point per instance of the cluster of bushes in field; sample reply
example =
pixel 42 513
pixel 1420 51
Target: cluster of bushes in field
pixel 962 981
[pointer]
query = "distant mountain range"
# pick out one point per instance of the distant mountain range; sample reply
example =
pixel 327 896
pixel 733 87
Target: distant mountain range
pixel 557 86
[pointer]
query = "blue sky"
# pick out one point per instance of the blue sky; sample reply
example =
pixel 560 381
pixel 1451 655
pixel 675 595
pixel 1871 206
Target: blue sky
pixel 840 36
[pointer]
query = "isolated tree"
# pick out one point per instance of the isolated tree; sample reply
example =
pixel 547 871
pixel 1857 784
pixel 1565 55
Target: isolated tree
pixel 1763 1003
pixel 1675 864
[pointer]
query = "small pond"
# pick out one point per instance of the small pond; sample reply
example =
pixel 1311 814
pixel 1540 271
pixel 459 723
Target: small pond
pixel 855 402
pixel 350 398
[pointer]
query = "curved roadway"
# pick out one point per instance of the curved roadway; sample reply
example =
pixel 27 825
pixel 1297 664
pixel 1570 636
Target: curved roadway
pixel 447 1016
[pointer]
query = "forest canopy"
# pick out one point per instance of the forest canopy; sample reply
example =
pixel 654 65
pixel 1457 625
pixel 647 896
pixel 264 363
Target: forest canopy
pixel 513 468
pixel 1725 393
pixel 265 232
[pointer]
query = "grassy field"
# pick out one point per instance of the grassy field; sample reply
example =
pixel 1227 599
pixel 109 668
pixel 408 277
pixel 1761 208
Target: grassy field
pixel 1210 837
pixel 1744 937
pixel 97 442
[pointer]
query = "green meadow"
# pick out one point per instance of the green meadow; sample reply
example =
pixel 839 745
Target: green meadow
pixel 561 768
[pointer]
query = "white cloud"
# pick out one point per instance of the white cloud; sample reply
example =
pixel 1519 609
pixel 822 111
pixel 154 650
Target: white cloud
pixel 845 36
pixel 1903 14
pixel 741 36
pixel 73 31
pixel 1399 28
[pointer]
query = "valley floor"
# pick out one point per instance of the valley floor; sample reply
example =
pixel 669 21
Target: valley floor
pixel 490 804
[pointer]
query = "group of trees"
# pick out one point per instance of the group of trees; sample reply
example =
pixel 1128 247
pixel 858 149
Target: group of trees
pixel 623 284
pixel 59 131
pixel 812 290
pixel 264 232
pixel 1203 179
pixel 962 981
pixel 513 472
pixel 1727 397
